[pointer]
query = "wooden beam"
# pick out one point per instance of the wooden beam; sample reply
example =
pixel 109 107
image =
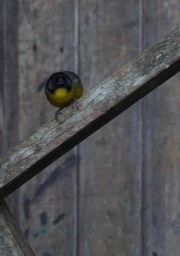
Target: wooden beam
pixel 98 107
pixel 12 241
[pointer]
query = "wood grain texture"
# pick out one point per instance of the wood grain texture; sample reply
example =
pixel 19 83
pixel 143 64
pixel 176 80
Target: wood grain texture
pixel 9 109
pixel 124 88
pixel 161 164
pixel 12 241
pixel 8 74
pixel 110 169
pixel 45 206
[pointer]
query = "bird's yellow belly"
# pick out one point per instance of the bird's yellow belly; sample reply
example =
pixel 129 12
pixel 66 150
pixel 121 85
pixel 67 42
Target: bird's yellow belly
pixel 61 98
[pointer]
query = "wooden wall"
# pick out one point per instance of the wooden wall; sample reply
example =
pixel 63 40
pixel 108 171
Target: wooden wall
pixel 118 192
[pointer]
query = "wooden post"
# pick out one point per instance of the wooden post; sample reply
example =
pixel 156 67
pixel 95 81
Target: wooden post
pixel 12 241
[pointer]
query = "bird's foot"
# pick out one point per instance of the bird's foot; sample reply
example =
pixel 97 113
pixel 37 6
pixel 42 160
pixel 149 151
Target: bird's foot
pixel 62 114
pixel 57 113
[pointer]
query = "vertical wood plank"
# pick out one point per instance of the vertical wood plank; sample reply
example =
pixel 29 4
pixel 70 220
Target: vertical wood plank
pixel 161 158
pixel 47 203
pixel 110 166
pixel 12 241
pixel 8 74
pixel 9 100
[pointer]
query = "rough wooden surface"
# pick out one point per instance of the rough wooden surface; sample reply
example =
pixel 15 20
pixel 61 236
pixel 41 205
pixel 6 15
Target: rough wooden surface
pixel 110 208
pixel 101 105
pixel 12 242
pixel 9 98
pixel 49 207
pixel 8 74
pixel 161 140
pixel 45 207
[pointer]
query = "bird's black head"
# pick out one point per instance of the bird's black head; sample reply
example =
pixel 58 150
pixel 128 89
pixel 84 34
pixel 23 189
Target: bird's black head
pixel 58 80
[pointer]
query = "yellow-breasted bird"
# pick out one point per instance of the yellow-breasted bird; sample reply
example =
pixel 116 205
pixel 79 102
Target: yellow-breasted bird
pixel 62 88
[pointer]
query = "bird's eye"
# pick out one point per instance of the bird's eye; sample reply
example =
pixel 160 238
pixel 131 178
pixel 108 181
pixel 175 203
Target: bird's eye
pixel 60 81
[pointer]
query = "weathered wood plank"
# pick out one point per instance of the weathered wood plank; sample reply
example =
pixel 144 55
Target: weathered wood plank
pixel 46 205
pixel 12 241
pixel 161 159
pixel 101 105
pixel 110 178
pixel 8 74
pixel 9 98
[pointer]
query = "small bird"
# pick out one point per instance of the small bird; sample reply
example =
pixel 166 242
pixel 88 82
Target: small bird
pixel 63 88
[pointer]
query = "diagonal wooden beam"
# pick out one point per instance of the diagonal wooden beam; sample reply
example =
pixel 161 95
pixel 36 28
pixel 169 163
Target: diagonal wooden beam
pixel 98 107
pixel 12 241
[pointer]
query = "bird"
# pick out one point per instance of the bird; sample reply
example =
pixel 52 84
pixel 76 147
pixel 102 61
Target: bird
pixel 63 88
